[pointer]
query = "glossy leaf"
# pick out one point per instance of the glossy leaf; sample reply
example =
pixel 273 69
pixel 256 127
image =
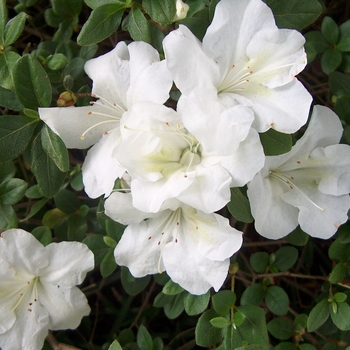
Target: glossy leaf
pixel 253 295
pixel 55 148
pixel 12 190
pixel 108 264
pixel 259 261
pixel 132 285
pixel 341 318
pixel 275 143
pixel 138 26
pixel 102 23
pixel 115 346
pixel 175 307
pixel 285 258
pixel 43 235
pixel 280 328
pixel 239 206
pixel 96 244
pixel 330 30
pixel 32 85
pixel 8 60
pixel 161 11
pixel 318 315
pixel 220 322
pixel 67 201
pixel 223 301
pixel 172 288
pixel 8 217
pixel 206 334
pixel 195 304
pixel 144 339
pixel 8 99
pixel 14 28
pixel 15 134
pixel 277 300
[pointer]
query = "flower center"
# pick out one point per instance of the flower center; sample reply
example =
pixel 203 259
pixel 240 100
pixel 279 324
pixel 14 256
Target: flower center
pixel 289 181
pixel 235 80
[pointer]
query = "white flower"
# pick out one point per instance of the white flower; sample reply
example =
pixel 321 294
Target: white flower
pixel 122 77
pixel 309 185
pixel 181 10
pixel 166 161
pixel 244 59
pixel 192 247
pixel 37 288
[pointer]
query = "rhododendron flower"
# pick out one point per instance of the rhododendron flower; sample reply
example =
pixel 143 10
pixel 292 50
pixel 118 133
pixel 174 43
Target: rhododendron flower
pixel 167 161
pixel 244 59
pixel 181 10
pixel 121 77
pixel 309 185
pixel 191 246
pixel 38 288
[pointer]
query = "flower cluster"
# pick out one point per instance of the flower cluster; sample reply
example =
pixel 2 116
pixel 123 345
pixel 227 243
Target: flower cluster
pixel 177 166
pixel 38 288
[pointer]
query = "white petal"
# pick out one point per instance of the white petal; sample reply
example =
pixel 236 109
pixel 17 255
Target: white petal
pixel 274 218
pixel 237 165
pixel 188 64
pixel 276 56
pixel 150 79
pixel 218 130
pixel 111 75
pixel 23 252
pixel 234 24
pixel 118 206
pixel 69 263
pixel 101 169
pixel 66 306
pixel 321 223
pixel 70 123
pixel 276 108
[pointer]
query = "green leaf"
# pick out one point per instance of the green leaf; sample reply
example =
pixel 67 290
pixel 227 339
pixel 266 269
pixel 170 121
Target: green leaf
pixel 8 99
pixel 108 264
pixel 57 61
pixel 48 175
pixel 342 108
pixel 330 30
pixel 115 346
pixel 162 299
pixel 96 244
pixel 32 85
pixel 138 26
pixel 259 261
pixel 15 134
pixel 285 258
pixel 206 334
pixel 253 295
pixel 175 307
pixel 144 339
pixel 8 60
pixel 43 235
pixel 195 304
pixel 55 148
pixel 36 208
pixel 286 346
pixel 239 206
pixel 198 26
pixel 339 83
pixel 317 41
pixel 280 328
pixel 33 192
pixel 12 190
pixel 341 318
pixel 67 9
pixel 53 217
pixel 14 28
pixel 277 300
pixel 220 322
pixel 7 171
pixel 161 11
pixel 223 301
pixel 275 143
pixel 67 201
pixel 97 3
pixel 77 227
pixel 318 315
pixel 254 330
pixel 340 297
pixel 331 60
pixel 339 251
pixel 8 217
pixel 338 273
pixel 3 19
pixel 238 318
pixel 172 288
pixel 132 285
pixel 102 23
pixel 344 37
pixel 295 14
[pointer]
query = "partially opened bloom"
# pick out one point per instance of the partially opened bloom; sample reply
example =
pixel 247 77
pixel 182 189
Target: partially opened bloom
pixel 308 186
pixel 38 288
pixel 121 78
pixel 244 59
pixel 191 246
pixel 167 161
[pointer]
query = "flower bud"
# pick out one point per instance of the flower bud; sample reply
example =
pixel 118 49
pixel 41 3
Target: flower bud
pixel 181 10
pixel 66 99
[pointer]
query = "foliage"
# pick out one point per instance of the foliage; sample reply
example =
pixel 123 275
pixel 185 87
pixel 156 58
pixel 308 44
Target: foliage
pixel 287 294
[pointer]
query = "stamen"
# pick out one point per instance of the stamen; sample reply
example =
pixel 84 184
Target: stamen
pixel 82 137
pixel 293 186
pixel 112 106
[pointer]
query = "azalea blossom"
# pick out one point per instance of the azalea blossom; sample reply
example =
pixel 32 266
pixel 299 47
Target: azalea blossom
pixel 38 288
pixel 121 78
pixel 308 186
pixel 167 161
pixel 191 246
pixel 244 59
